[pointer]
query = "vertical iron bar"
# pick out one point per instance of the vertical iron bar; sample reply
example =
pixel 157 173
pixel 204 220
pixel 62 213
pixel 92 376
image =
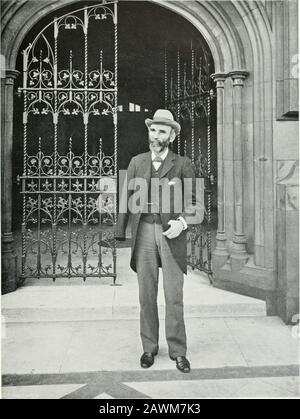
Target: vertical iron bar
pixel 171 98
pixel 178 98
pixel 101 75
pixel 198 93
pixel 193 241
pixel 166 78
pixel 199 153
pixel 99 210
pixel 201 251
pixel 69 266
pixel 99 252
pixel 171 87
pixel 55 122
pixel 184 99
pixel 116 92
pixel 85 118
pixel 100 156
pixel 115 133
pixel 39 265
pixel 193 109
pixel 209 183
pixel 25 116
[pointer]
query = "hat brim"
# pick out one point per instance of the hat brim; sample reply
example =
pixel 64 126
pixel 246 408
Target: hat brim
pixel 172 124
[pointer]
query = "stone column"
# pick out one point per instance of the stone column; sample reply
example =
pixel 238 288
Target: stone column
pixel 287 220
pixel 8 258
pixel 220 254
pixel 239 255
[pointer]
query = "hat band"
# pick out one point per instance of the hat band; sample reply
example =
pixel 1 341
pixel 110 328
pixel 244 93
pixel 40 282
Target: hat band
pixel 165 120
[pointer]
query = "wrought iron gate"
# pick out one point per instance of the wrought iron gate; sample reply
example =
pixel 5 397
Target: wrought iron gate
pixel 69 197
pixel 190 96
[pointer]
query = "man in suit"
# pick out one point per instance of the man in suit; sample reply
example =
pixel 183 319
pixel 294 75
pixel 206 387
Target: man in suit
pixel 160 195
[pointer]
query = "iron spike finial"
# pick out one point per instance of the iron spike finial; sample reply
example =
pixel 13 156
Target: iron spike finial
pixel 101 60
pixel 100 147
pixel 70 146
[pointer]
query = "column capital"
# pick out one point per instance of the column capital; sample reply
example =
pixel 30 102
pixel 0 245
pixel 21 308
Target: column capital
pixel 238 76
pixel 10 76
pixel 219 78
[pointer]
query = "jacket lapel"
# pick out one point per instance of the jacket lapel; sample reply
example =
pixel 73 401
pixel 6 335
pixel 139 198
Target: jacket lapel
pixel 145 167
pixel 168 163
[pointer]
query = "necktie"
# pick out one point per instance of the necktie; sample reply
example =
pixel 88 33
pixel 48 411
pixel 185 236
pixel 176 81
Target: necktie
pixel 157 161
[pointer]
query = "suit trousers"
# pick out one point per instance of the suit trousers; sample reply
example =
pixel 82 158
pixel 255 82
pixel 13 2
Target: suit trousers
pixel 152 251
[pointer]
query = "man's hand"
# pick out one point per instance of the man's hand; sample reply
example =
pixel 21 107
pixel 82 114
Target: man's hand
pixel 176 227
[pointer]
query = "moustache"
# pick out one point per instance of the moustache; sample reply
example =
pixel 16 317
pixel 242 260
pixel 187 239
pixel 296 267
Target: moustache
pixel 159 143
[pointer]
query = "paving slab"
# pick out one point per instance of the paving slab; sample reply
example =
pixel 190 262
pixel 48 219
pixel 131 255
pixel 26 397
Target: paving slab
pixel 114 345
pixel 230 388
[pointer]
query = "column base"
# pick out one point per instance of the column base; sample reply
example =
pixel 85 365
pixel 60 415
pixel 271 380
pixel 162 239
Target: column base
pixel 9 277
pixel 238 261
pixel 239 256
pixel 219 259
pixel 220 255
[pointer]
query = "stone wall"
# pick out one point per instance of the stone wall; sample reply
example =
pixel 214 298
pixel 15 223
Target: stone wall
pixel 286 151
pixel 286 157
pixel 285 25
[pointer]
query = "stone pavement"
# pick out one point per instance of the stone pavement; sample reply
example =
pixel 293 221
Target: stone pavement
pixel 230 357
pixel 82 341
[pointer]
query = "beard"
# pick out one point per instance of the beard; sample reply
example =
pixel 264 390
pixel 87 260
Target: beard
pixel 159 146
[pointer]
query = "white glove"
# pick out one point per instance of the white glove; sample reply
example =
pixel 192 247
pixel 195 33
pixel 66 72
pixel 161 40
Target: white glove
pixel 176 227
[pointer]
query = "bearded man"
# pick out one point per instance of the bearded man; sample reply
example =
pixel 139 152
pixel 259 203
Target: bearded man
pixel 168 203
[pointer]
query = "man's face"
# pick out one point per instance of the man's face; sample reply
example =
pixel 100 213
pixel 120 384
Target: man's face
pixel 159 137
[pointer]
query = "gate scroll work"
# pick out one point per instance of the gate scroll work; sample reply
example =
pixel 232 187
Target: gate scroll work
pixel 190 95
pixel 69 197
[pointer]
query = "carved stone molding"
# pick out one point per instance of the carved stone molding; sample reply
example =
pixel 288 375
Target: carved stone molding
pixel 11 75
pixel 238 77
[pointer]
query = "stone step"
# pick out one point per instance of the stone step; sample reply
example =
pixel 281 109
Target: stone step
pixel 75 300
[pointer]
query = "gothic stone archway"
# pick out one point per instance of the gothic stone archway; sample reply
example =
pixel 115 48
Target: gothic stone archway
pixel 239 37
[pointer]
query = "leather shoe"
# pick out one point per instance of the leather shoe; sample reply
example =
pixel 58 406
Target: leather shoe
pixel 147 359
pixel 182 363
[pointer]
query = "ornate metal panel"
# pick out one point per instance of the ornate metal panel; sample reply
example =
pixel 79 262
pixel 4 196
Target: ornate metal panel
pixel 69 199
pixel 190 96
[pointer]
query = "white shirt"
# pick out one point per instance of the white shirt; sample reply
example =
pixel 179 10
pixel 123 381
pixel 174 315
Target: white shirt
pixel 156 165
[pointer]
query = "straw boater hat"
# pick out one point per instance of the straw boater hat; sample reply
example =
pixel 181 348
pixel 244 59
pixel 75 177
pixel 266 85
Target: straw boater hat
pixel 165 117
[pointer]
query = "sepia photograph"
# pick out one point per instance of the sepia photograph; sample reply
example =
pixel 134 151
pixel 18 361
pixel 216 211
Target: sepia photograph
pixel 150 202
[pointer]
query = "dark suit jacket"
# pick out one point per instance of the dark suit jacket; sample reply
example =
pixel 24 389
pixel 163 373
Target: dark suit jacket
pixel 175 169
